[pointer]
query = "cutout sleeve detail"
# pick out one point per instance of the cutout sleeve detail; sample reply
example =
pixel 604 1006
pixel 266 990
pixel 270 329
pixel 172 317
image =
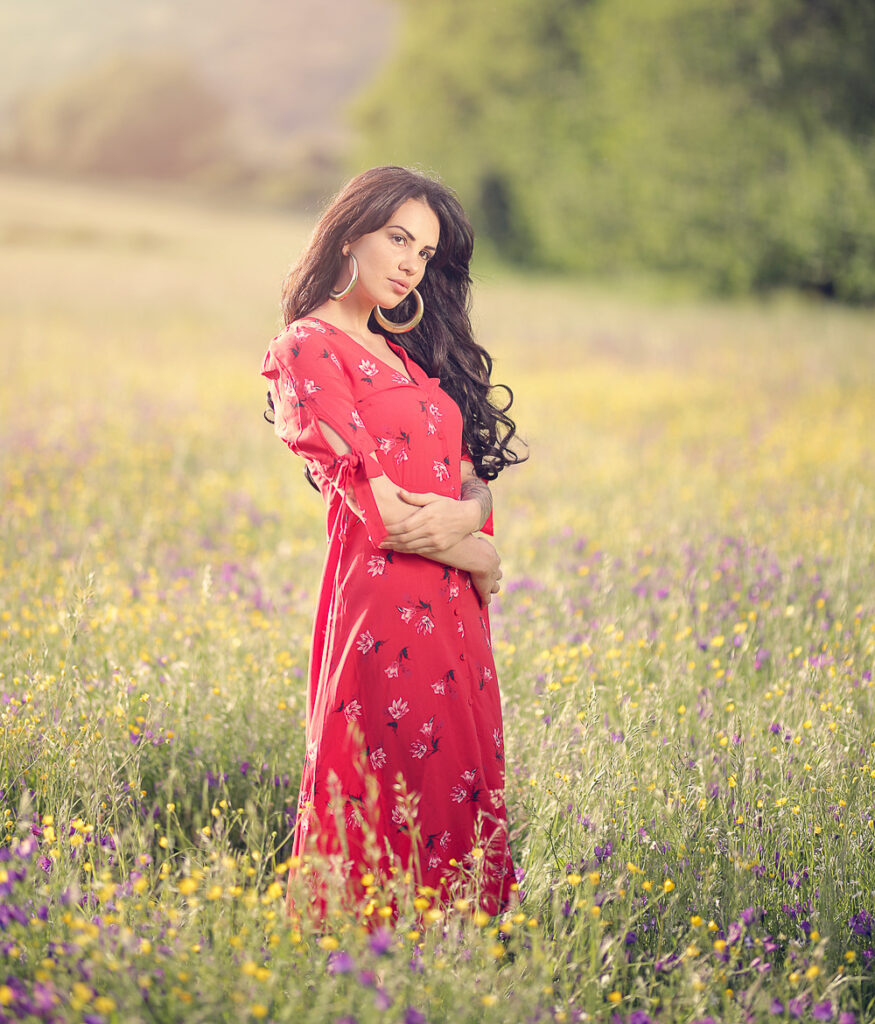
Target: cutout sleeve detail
pixel 308 385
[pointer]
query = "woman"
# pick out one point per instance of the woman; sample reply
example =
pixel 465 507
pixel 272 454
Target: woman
pixel 404 768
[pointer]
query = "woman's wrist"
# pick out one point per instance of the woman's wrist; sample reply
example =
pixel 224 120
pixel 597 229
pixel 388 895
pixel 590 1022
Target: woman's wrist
pixel 486 557
pixel 473 513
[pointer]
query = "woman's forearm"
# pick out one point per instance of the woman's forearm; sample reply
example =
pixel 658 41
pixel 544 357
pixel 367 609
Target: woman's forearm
pixel 480 559
pixel 475 489
pixel 473 554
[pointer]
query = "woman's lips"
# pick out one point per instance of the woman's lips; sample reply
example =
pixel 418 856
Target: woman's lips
pixel 400 287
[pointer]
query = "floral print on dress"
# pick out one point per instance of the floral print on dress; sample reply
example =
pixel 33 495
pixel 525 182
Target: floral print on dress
pixel 397 446
pixel 397 710
pixel 433 416
pixel 418 615
pixel 401 647
pixel 368 369
pixel 366 643
pixel 444 685
pixel 450 583
pixel 397 666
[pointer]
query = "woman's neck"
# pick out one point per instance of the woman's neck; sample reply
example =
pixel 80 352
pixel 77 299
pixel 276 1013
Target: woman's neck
pixel 350 318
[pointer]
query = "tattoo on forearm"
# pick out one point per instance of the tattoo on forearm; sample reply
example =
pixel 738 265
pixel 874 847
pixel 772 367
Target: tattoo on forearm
pixel 475 489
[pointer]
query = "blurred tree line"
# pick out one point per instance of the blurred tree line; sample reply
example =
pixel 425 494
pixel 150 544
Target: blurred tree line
pixel 727 140
pixel 148 117
pixel 152 117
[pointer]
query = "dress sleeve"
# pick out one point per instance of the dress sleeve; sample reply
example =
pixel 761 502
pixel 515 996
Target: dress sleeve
pixel 488 526
pixel 309 388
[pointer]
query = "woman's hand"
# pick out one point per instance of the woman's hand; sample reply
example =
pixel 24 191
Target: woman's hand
pixel 485 580
pixel 437 523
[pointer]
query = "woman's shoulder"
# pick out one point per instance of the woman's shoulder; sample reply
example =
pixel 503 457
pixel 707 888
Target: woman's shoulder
pixel 303 342
pixel 302 329
pixel 306 332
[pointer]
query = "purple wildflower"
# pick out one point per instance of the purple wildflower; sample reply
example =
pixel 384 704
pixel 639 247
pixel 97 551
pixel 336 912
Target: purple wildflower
pixel 749 915
pixel 797 1007
pixel 340 962
pixel 861 924
pixel 603 852
pixel 413 1016
pixel 381 941
pixel 823 1011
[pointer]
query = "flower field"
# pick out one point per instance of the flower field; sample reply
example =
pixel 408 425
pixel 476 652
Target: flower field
pixel 685 643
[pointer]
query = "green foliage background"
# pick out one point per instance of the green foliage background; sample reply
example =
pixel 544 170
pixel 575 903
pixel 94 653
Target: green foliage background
pixel 730 141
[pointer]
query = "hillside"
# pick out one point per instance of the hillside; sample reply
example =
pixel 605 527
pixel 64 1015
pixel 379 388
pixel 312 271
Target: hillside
pixel 286 69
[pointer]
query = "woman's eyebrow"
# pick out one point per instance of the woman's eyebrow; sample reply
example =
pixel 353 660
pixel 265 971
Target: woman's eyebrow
pixel 412 239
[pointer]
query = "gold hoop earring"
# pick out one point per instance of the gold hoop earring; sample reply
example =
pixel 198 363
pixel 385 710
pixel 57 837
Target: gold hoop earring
pixel 337 296
pixel 408 325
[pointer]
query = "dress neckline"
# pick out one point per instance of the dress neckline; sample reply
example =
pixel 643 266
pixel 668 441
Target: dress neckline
pixel 399 350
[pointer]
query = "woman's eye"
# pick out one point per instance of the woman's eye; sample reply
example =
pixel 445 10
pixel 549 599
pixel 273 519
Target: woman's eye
pixel 426 255
pixel 398 238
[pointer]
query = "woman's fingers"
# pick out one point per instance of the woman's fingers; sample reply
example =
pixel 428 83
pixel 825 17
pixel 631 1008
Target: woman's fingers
pixel 418 497
pixel 415 540
pixel 418 523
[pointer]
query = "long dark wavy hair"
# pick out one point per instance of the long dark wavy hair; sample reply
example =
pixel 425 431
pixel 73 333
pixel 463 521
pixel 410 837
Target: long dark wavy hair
pixel 443 343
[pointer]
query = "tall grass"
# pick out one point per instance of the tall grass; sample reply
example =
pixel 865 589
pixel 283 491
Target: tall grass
pixel 685 646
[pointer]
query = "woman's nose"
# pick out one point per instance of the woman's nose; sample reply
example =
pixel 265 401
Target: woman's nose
pixel 408 263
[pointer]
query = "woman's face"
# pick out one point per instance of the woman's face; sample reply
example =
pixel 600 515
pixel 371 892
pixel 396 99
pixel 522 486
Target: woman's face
pixel 392 259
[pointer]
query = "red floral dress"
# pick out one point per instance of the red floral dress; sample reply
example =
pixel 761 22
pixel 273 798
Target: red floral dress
pixel 402 693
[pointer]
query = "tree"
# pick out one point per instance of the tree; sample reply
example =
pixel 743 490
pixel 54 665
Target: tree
pixel 731 140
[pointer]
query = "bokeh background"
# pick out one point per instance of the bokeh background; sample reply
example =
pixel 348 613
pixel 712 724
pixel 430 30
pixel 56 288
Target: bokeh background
pixel 674 271
pixel 725 142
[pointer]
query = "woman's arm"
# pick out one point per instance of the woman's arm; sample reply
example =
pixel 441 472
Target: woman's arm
pixel 474 554
pixel 475 489
pixel 439 522
pixel 452 544
pixel 479 558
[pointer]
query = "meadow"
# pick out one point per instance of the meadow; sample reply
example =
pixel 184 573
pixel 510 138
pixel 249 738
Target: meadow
pixel 685 643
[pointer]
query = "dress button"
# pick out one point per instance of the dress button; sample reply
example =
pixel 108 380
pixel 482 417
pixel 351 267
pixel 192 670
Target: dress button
pixel 461 657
